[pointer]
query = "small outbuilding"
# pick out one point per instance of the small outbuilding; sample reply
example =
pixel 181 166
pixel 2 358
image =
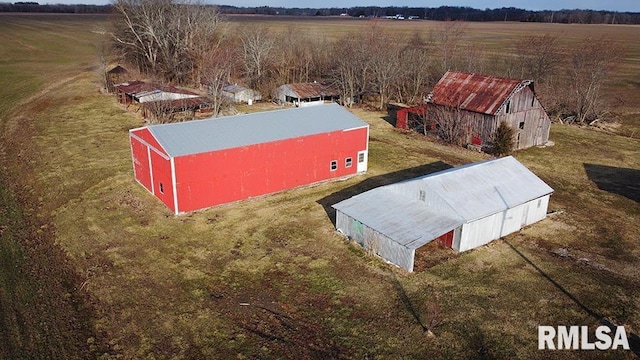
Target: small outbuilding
pixel 479 103
pixel 304 94
pixel 203 163
pixel 141 92
pixel 116 75
pixel 240 94
pixel 463 208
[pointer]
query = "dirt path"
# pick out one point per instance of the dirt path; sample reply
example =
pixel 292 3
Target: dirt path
pixel 45 312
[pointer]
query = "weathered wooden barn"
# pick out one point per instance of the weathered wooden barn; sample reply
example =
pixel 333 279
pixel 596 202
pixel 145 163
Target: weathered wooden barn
pixel 240 94
pixel 463 207
pixel 199 164
pixel 304 94
pixel 481 103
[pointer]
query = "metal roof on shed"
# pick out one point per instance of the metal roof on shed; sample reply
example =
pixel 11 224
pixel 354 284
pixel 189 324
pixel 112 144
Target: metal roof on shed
pixel 473 92
pixel 468 193
pixel 199 136
pixel 140 87
pixel 309 90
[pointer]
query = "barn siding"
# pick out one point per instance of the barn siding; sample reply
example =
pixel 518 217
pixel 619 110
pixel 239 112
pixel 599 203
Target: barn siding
pixel 145 136
pixel 213 178
pixel 162 179
pixel 141 165
pixel 537 210
pixel 376 242
pixel 523 107
pixel 482 231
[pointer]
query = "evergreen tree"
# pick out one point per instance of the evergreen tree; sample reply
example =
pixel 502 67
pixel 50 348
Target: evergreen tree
pixel 502 142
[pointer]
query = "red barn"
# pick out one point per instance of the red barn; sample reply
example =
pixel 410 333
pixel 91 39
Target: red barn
pixel 198 164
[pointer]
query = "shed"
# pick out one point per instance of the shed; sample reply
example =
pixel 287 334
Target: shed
pixel 482 102
pixel 304 94
pixel 240 94
pixel 202 163
pixel 180 109
pixel 463 207
pixel 114 76
pixel 141 92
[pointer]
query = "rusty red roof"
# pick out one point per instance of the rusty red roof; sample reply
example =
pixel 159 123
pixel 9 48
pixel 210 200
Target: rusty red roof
pixel 310 90
pixel 473 92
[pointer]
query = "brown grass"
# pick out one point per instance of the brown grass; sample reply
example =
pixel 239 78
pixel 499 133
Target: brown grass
pixel 269 277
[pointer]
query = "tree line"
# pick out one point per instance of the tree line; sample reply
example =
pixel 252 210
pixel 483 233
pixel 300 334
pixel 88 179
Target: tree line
pixel 35 7
pixel 442 13
pixel 188 43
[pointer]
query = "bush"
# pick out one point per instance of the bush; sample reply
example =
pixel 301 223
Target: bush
pixel 502 142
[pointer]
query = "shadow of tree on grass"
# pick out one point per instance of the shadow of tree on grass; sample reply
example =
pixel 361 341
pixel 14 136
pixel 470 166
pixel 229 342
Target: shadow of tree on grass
pixel 621 181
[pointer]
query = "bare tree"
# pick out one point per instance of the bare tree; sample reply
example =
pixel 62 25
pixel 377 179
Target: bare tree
pixel 590 64
pixel 165 38
pixel 216 74
pixel 256 51
pixel 540 57
pixel 351 66
pixel 449 123
pixel 385 53
pixel 415 76
pixel 448 36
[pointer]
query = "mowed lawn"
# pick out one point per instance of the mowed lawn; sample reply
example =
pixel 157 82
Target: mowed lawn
pixel 269 277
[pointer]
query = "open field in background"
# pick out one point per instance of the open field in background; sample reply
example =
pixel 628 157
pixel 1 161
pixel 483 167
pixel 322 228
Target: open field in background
pixel 269 277
pixel 491 41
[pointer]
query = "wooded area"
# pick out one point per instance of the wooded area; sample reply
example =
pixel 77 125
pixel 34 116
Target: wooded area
pixel 189 43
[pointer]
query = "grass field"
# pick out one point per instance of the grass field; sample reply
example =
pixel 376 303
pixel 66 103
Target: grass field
pixel 269 277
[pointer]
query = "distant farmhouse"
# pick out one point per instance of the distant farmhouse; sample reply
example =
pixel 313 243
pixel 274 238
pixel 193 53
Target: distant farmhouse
pixel 481 103
pixel 304 94
pixel 203 163
pixel 463 208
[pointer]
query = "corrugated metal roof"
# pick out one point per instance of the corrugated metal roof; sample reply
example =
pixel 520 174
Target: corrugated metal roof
pixel 409 222
pixel 473 92
pixel 464 194
pixel 138 87
pixel 213 134
pixel 309 90
pixel 234 88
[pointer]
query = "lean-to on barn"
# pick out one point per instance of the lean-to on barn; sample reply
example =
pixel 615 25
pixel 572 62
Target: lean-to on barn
pixel 481 103
pixel 463 207
pixel 199 164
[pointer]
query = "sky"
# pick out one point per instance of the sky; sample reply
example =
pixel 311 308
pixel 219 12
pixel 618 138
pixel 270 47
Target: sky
pixel 612 5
